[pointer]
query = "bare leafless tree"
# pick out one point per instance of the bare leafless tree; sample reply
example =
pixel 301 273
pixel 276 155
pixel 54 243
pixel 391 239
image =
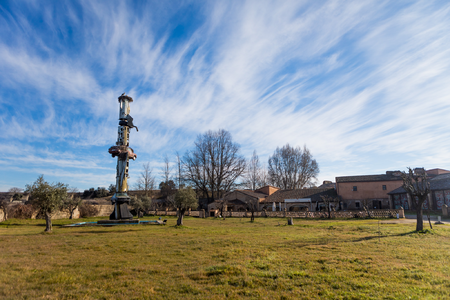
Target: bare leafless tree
pixel 292 168
pixel 166 169
pixel 263 177
pixel 146 181
pixel 253 172
pixel 180 176
pixel 214 165
pixel 416 184
pixel 329 203
pixel 366 206
pixel 252 207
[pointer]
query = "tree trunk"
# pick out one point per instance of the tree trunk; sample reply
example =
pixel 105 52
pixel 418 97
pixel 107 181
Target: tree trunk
pixel 48 222
pixel 329 212
pixel 71 214
pixel 180 217
pixel 253 216
pixel 428 216
pixel 419 225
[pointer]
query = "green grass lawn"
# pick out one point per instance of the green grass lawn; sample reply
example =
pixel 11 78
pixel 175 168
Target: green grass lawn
pixel 218 259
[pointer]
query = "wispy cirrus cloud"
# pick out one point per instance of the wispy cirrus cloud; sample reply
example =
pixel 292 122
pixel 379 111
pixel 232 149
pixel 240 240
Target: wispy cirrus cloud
pixel 363 84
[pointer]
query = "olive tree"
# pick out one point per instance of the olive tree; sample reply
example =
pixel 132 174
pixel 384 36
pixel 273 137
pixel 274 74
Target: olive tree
pixel 185 198
pixel 416 184
pixel 142 203
pixel 47 198
pixel 70 204
pixel 4 205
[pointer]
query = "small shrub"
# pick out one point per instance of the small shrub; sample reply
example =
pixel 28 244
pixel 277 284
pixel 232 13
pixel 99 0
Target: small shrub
pixel 21 211
pixel 88 210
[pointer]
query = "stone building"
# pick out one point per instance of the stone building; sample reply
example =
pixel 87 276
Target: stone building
pixel 440 194
pixel 242 200
pixel 375 190
pixel 297 199
pixel 354 190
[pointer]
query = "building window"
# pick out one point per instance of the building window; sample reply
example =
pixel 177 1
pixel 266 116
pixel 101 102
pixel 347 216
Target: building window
pixel 355 188
pixel 384 187
pixel 345 205
pixel 357 204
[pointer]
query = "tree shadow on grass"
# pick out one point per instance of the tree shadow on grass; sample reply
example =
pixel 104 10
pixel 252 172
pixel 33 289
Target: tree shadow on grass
pixel 322 241
pixel 368 238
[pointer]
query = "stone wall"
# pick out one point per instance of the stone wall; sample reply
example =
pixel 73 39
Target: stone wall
pixel 379 213
pixel 105 210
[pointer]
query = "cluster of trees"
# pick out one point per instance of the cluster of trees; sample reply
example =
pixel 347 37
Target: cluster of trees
pixel 215 166
pixel 99 192
pixel 211 168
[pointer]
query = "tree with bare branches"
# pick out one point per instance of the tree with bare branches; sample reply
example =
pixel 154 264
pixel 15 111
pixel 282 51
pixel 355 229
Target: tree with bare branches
pixel 179 178
pixel 366 206
pixel 166 170
pixel 292 168
pixel 214 165
pixel 146 181
pixel 253 172
pixel 416 184
pixel 329 202
pixel 252 207
pixel 263 176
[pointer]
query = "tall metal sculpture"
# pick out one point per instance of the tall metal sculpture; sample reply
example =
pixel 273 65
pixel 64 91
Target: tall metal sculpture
pixel 122 150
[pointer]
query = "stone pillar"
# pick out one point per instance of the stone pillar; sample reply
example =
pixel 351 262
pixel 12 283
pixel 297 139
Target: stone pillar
pixel 401 212
pixel 445 210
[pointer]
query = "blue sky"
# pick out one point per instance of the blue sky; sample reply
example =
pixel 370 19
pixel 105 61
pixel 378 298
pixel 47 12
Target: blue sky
pixel 364 84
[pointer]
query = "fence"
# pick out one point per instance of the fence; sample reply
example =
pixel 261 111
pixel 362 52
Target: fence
pixel 379 213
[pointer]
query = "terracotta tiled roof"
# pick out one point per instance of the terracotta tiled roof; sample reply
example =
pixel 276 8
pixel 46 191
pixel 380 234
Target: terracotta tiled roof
pixel 314 194
pixel 380 177
pixel 438 183
pixel 331 185
pixel 252 194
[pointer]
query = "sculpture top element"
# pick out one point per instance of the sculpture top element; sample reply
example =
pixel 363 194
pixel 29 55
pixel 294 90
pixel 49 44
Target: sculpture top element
pixel 123 97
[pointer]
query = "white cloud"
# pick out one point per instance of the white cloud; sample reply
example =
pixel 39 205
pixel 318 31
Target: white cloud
pixel 348 79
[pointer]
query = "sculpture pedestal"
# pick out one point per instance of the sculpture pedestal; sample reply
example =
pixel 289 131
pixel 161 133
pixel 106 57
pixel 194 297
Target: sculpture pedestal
pixel 117 222
pixel 121 211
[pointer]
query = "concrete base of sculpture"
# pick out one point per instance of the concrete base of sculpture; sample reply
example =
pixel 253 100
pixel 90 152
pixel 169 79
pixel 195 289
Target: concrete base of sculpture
pixel 118 222
pixel 121 211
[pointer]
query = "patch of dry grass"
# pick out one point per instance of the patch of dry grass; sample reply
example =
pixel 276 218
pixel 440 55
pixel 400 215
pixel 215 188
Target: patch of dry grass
pixel 217 259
